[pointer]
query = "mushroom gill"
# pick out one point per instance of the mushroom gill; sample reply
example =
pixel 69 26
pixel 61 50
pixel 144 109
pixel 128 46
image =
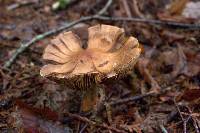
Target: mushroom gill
pixel 108 54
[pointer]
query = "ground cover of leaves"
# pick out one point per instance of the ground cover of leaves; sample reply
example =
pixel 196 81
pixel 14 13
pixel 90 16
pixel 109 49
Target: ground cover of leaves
pixel 169 66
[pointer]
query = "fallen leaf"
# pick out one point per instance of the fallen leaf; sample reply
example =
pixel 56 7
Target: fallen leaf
pixel 44 112
pixel 172 36
pixel 181 64
pixel 142 67
pixel 132 128
pixel 35 120
pixel 192 10
pixel 191 94
pixel 152 122
pixel 177 7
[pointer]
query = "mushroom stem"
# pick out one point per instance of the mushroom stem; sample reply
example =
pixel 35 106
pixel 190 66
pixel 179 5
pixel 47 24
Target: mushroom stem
pixel 94 100
pixel 89 99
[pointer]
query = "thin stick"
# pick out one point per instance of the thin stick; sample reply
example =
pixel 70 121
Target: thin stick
pixel 105 8
pixel 194 120
pixel 127 9
pixel 183 120
pixel 130 99
pixel 196 125
pixel 150 21
pixel 163 129
pixel 23 47
pixel 178 110
pixel 84 127
pixel 84 119
pixel 136 9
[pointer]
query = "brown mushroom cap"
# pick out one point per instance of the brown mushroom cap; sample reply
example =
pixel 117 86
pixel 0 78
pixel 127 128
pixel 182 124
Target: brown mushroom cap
pixel 109 54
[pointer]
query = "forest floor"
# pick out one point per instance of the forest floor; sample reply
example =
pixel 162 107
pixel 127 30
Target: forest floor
pixel 163 90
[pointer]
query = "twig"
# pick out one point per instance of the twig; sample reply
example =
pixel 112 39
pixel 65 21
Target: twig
pixel 195 125
pixel 136 9
pixel 93 6
pixel 127 9
pixel 21 3
pixel 84 127
pixel 183 120
pixel 105 8
pixel 190 116
pixel 84 119
pixel 194 120
pixel 130 99
pixel 163 129
pixel 23 47
pixel 150 21
pixel 178 110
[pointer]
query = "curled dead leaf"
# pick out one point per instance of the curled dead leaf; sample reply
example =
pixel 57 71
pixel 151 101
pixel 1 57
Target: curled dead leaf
pixel 190 95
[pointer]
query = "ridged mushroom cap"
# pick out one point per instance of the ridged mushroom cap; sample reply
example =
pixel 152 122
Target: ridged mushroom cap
pixel 108 54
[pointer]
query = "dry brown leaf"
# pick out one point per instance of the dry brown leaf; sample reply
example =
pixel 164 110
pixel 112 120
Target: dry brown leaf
pixel 152 122
pixel 35 120
pixel 191 94
pixel 177 7
pixel 142 67
pixel 181 64
pixel 132 128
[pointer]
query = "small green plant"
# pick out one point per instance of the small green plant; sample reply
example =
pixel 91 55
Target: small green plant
pixel 60 4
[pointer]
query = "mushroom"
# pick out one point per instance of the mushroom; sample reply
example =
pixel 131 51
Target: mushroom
pixel 109 54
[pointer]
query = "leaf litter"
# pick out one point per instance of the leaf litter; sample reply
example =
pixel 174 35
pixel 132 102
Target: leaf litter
pixel 169 66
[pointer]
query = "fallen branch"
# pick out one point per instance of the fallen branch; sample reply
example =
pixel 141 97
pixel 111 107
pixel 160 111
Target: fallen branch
pixel 84 119
pixel 130 99
pixel 97 16
pixel 126 8
pixel 104 9
pixel 182 118
pixel 150 21
pixel 164 130
pixel 194 119
pixel 136 9
pixel 137 97
pixel 23 47
pixel 20 3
